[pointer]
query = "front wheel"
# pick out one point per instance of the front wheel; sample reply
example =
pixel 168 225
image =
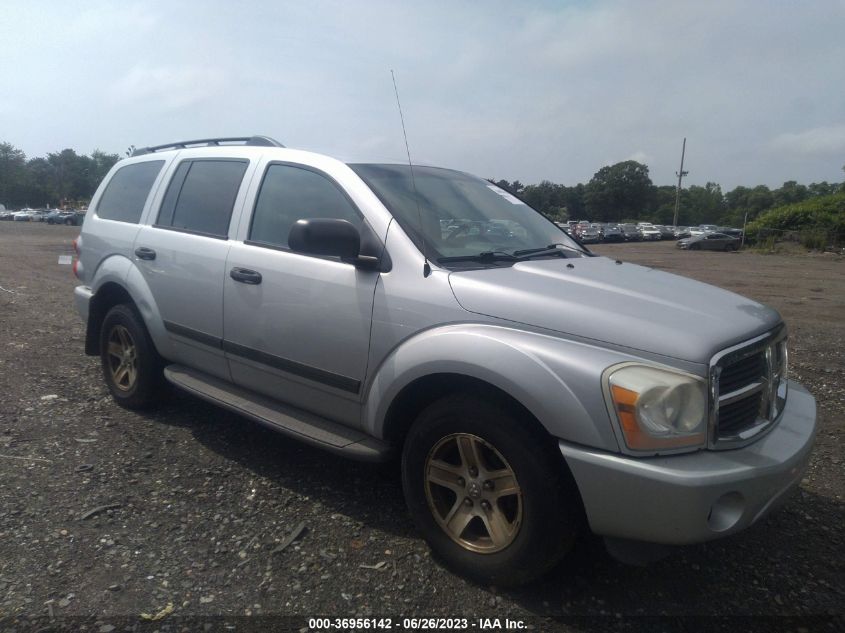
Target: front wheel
pixel 131 365
pixel 488 491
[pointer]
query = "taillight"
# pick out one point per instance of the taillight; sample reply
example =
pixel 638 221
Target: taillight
pixel 75 246
pixel 76 268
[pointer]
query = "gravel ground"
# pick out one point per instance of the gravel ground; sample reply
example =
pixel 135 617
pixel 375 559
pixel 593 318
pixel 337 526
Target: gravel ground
pixel 189 511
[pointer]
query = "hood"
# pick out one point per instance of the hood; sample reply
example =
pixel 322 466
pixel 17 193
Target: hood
pixel 623 305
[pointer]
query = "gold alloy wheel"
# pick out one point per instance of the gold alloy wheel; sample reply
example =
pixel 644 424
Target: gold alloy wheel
pixel 473 493
pixel 122 358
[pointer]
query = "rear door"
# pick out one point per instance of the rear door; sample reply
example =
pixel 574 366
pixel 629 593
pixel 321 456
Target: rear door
pixel 182 255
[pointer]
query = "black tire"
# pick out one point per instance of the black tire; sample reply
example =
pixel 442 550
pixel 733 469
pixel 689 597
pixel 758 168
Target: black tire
pixel 549 506
pixel 69 221
pixel 144 387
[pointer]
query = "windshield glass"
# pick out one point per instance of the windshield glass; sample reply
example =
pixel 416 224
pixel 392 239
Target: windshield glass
pixel 460 215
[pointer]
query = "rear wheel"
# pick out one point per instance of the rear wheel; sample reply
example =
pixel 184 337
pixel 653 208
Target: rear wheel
pixel 131 365
pixel 487 492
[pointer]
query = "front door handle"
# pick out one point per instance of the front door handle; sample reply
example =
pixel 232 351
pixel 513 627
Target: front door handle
pixel 142 252
pixel 245 276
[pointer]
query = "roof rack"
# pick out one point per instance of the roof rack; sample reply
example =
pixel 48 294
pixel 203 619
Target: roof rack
pixel 260 141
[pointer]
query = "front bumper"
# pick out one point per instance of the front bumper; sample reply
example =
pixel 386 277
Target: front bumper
pixel 698 496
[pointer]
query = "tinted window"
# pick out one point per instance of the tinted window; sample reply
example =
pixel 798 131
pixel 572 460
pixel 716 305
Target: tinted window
pixel 291 193
pixel 127 191
pixel 165 215
pixel 203 201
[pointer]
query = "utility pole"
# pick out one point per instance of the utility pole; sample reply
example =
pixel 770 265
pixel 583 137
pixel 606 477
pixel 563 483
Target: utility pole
pixel 680 175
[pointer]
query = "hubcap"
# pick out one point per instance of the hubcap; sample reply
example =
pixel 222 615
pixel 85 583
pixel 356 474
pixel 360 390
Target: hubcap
pixel 473 493
pixel 122 358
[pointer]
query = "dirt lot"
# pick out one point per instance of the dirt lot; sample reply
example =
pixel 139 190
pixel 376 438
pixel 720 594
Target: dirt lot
pixel 197 499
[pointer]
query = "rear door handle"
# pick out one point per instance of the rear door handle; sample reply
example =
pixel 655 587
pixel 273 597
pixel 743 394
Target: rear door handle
pixel 142 252
pixel 245 276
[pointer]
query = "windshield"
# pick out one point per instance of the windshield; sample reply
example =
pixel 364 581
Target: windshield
pixel 457 215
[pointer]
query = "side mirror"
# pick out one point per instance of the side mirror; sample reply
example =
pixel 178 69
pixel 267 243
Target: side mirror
pixel 325 236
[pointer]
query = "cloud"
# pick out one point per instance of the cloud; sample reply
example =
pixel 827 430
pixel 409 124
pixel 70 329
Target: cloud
pixel 815 141
pixel 167 87
pixel 640 156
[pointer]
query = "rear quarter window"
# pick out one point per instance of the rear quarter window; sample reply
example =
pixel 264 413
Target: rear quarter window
pixel 127 192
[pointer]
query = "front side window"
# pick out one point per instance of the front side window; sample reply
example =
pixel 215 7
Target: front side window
pixel 201 196
pixel 290 193
pixel 127 192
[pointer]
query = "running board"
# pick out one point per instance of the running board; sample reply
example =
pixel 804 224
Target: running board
pixel 296 423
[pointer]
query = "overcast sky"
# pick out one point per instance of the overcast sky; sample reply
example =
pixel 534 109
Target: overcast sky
pixel 515 90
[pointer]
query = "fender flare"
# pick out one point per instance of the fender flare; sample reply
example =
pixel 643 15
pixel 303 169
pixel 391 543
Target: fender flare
pixel 513 361
pixel 121 271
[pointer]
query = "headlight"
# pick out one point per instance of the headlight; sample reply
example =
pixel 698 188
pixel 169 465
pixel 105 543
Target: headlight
pixel 657 408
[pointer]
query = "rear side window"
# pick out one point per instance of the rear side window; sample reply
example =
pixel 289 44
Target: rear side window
pixel 290 193
pixel 127 191
pixel 201 196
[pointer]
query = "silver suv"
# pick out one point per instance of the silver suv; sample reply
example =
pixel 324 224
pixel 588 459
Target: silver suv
pixel 530 387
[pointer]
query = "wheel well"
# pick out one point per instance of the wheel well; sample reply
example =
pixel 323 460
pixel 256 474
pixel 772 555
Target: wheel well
pixel 110 295
pixel 422 392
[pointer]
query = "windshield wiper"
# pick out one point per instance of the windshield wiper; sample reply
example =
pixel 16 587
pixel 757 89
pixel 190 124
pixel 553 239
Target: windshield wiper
pixel 546 250
pixel 485 257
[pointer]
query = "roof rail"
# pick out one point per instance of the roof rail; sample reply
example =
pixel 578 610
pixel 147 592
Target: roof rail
pixel 261 141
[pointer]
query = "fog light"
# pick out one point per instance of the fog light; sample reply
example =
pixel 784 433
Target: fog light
pixel 726 512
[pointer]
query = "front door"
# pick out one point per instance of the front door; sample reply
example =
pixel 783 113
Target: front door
pixel 297 327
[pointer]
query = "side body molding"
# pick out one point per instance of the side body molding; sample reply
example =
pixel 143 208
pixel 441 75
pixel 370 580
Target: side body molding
pixel 557 380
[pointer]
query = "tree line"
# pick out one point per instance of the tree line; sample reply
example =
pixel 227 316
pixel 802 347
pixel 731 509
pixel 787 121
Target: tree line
pixel 64 178
pixel 624 193
pixel 616 193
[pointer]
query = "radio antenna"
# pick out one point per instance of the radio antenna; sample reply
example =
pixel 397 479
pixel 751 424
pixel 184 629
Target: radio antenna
pixel 426 265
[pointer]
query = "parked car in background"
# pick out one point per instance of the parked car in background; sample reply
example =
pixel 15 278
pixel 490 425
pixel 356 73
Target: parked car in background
pixel 590 235
pixel 7 214
pixel 39 215
pixel 631 233
pixel 24 215
pixel 681 231
pixel 707 228
pixel 666 232
pixel 695 231
pixel 710 242
pixel 730 231
pixel 582 224
pixel 612 233
pixel 61 216
pixel 649 232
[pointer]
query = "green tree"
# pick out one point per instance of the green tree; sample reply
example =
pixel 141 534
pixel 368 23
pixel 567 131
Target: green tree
pixel 790 193
pixel 619 191
pixel 12 174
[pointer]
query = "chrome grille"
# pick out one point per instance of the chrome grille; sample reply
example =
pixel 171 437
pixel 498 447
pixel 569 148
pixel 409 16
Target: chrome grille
pixel 748 389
